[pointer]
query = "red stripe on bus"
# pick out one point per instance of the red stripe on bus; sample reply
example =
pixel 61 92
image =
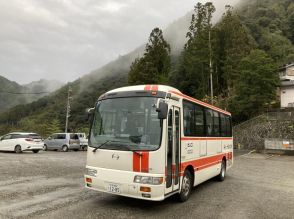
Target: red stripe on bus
pixel 200 102
pixel 203 138
pixel 136 162
pixel 154 87
pixel 203 162
pixel 145 162
pixel 147 87
pixel 208 165
pixel 230 156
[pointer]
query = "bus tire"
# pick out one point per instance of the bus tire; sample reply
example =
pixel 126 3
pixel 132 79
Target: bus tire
pixel 186 187
pixel 222 174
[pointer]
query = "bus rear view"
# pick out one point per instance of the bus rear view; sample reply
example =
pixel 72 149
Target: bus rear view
pixel 137 147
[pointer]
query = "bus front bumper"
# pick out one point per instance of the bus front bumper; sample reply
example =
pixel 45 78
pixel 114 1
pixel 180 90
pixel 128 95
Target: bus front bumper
pixel 122 183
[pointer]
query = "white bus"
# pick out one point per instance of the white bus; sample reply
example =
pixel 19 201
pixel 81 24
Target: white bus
pixel 152 141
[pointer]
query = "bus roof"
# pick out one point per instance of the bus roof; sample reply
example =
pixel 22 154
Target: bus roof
pixel 167 89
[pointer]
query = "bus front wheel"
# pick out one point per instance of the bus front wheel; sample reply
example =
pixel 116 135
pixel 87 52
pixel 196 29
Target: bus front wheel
pixel 186 186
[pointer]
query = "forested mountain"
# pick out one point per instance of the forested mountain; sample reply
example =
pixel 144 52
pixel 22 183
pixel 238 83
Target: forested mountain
pixel 8 100
pixel 43 86
pixel 271 25
pixel 12 93
pixel 247 46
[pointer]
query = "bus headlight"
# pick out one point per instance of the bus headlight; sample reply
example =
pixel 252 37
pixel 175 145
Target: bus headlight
pixel 148 180
pixel 91 172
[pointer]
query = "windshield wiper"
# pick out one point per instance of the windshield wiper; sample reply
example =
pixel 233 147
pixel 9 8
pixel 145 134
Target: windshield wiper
pixel 94 150
pixel 127 147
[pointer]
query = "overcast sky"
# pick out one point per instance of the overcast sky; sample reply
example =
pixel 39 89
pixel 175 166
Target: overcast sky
pixel 65 39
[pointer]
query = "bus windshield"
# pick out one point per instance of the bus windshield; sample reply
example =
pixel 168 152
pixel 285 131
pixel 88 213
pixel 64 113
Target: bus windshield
pixel 129 123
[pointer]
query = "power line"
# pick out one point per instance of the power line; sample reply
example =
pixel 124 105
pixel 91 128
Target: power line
pixel 28 93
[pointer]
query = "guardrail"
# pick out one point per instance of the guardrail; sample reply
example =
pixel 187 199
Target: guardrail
pixel 279 144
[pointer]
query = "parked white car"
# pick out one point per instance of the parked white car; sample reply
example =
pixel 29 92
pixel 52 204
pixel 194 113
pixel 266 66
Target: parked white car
pixel 83 140
pixel 21 141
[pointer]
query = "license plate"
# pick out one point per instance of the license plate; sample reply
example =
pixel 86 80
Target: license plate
pixel 113 188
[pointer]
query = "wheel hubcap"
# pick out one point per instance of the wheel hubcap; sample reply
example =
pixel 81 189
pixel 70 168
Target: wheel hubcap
pixel 186 185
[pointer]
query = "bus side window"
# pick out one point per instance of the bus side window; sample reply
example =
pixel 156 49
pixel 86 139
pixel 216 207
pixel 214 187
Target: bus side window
pixel 189 119
pixel 209 122
pixel 229 126
pixel 216 128
pixel 199 121
pixel 223 125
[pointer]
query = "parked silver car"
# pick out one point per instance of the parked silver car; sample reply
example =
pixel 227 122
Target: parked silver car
pixel 62 141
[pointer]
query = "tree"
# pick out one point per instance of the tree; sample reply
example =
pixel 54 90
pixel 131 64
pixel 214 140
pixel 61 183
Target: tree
pixel 231 45
pixel 256 87
pixel 154 66
pixel 278 47
pixel 192 75
pixel 52 127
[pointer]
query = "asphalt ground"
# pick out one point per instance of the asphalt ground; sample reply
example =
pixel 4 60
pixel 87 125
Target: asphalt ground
pixel 50 185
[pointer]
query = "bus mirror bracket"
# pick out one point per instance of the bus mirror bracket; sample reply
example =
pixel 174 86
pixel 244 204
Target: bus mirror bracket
pixel 162 110
pixel 89 113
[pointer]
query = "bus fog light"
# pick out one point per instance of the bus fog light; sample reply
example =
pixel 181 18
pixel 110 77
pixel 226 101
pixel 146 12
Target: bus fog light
pixel 148 180
pixel 91 172
pixel 145 189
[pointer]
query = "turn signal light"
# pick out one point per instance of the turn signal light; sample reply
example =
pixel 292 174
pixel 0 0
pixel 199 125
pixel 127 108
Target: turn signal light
pixel 88 180
pixel 145 189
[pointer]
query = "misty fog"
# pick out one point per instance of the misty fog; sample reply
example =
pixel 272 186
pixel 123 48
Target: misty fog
pixel 66 40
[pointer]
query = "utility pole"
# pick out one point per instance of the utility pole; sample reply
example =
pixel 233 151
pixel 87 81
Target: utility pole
pixel 210 68
pixel 67 108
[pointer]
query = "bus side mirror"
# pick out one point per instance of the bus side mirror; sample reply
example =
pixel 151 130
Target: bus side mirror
pixel 89 112
pixel 162 110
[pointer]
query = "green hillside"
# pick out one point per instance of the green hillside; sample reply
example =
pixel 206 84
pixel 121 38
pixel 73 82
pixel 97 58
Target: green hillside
pixel 254 33
pixel 8 100
pixel 271 25
pixel 12 93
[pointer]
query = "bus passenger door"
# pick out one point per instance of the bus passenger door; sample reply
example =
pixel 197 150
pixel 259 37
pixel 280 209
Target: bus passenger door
pixel 173 150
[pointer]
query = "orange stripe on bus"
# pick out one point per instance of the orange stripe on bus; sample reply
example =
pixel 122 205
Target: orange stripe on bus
pixel 208 165
pixel 145 162
pixel 230 156
pixel 136 162
pixel 203 162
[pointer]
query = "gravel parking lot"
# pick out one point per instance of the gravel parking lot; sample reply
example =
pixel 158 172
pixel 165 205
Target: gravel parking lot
pixel 50 185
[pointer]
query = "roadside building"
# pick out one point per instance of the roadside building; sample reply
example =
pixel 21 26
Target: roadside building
pixel 286 74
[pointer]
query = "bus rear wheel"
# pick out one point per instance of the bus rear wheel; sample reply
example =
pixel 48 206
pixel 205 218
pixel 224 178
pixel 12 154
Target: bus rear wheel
pixel 186 187
pixel 222 174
